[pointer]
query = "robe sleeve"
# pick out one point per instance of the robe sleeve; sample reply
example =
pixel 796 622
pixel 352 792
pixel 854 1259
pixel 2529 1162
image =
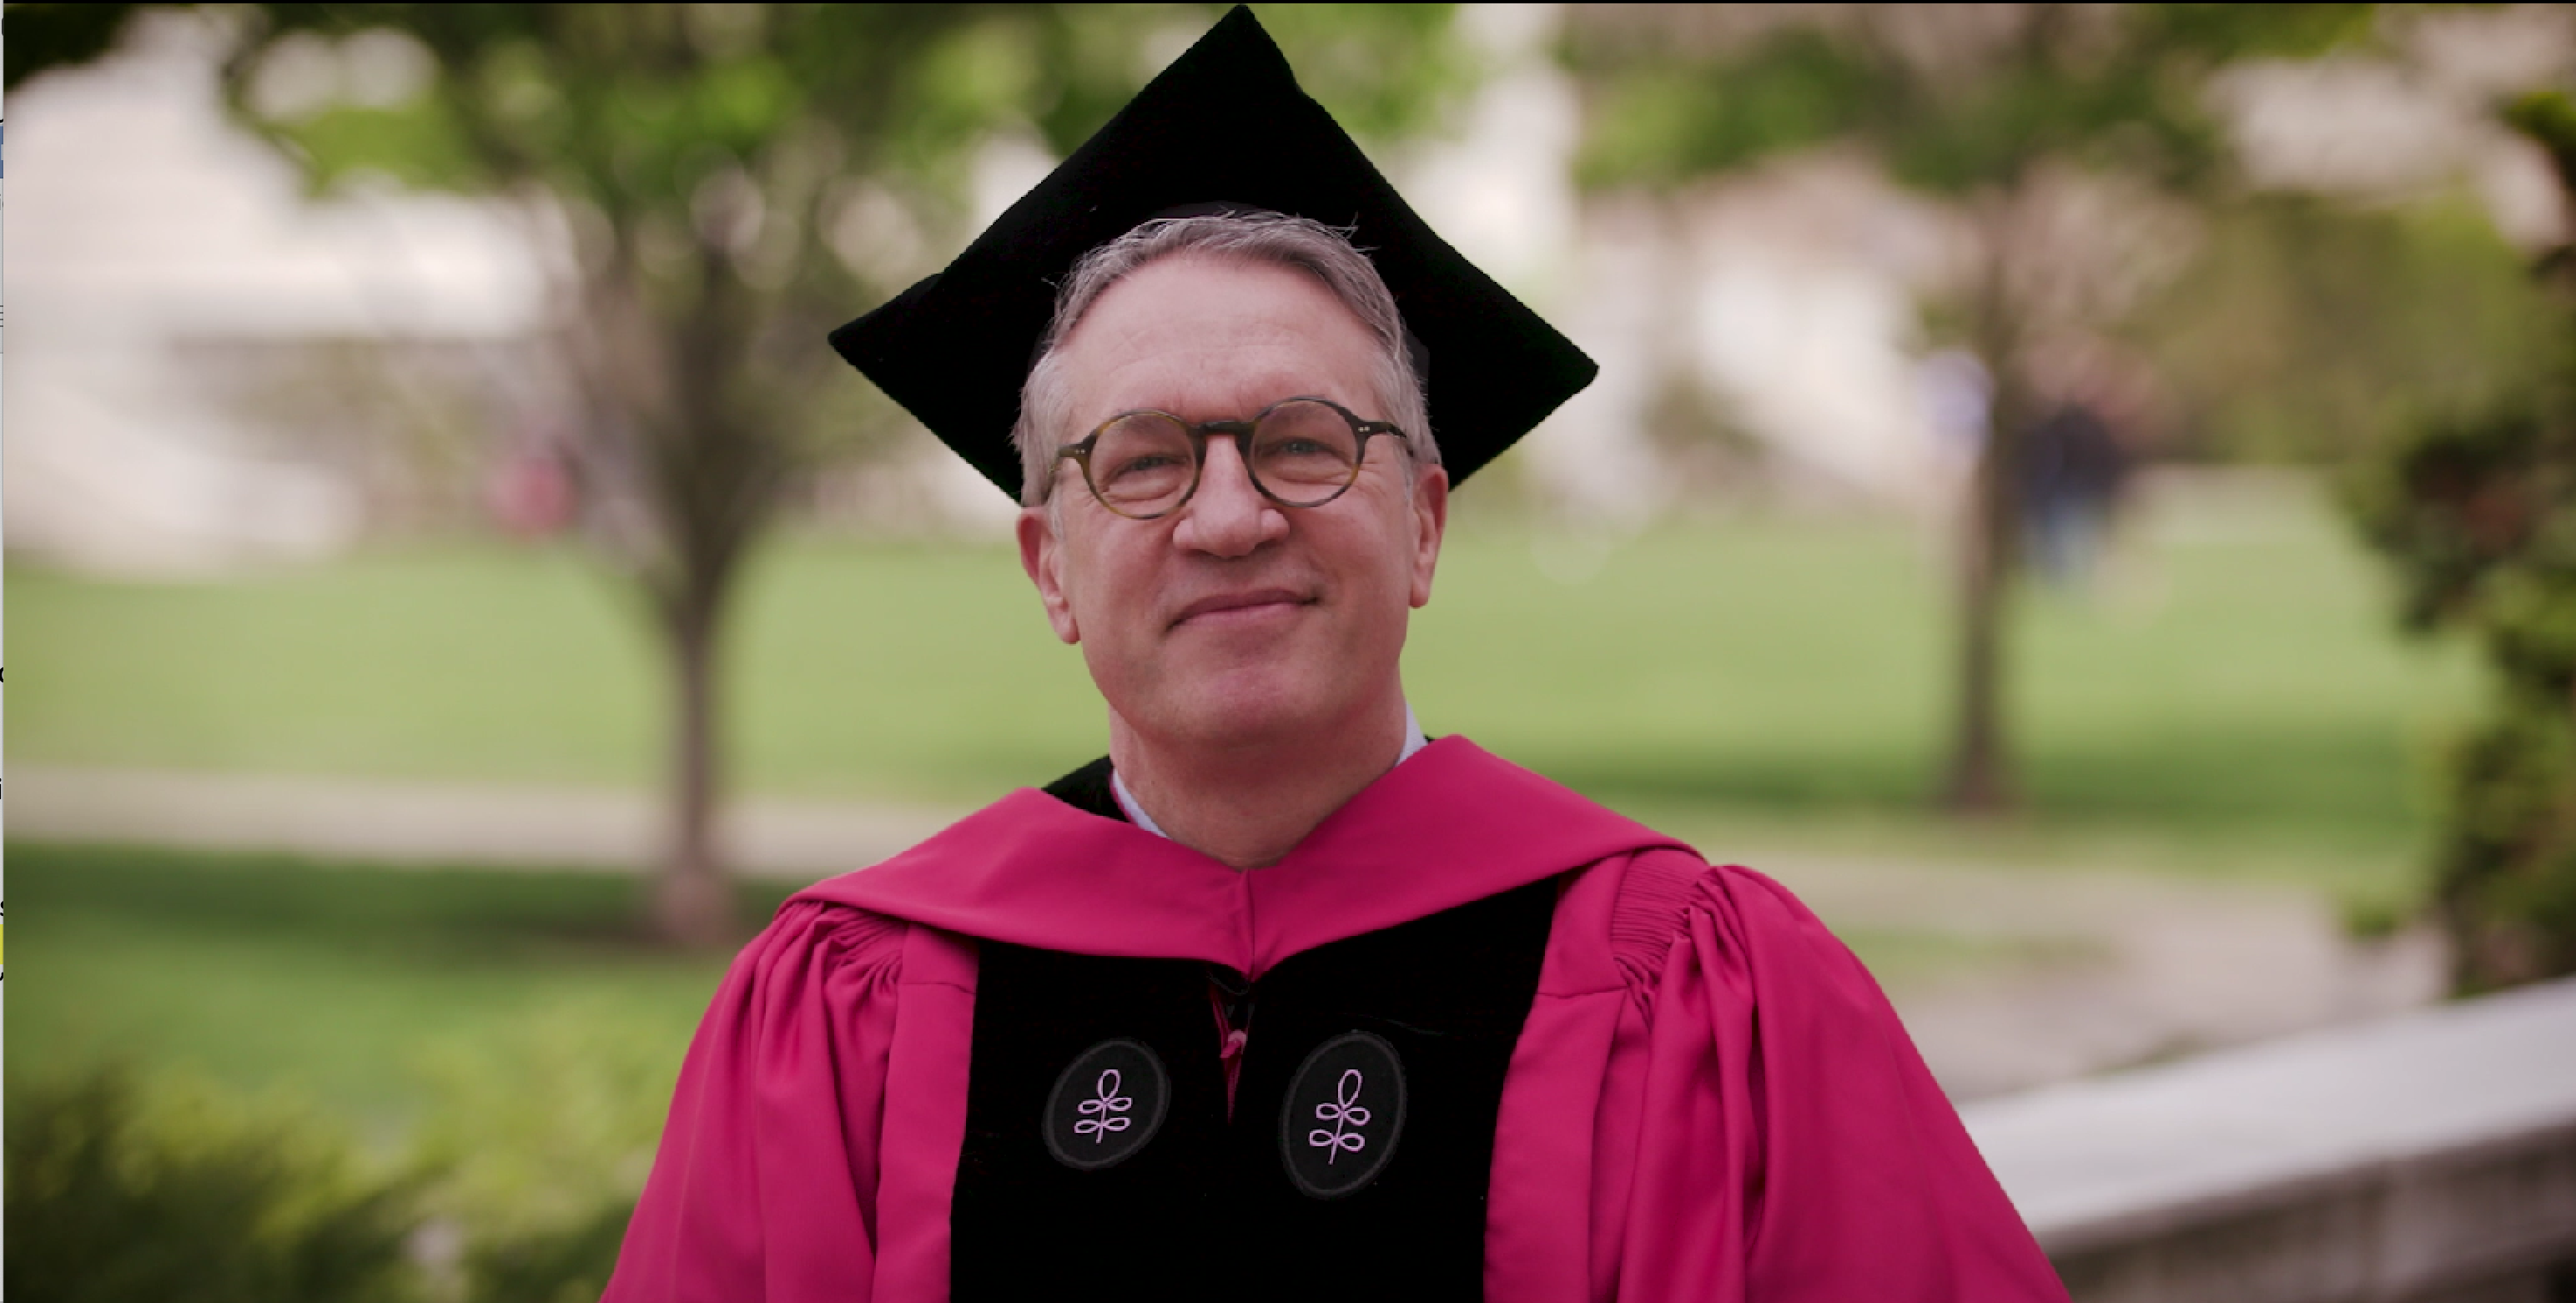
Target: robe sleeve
pixel 1766 1130
pixel 765 1186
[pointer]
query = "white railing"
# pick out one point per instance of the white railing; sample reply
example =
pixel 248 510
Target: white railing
pixel 2431 1157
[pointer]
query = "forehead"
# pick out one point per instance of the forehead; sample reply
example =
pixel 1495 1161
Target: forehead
pixel 1211 338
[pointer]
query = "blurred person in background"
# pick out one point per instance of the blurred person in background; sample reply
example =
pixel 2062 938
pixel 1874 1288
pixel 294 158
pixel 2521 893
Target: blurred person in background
pixel 1281 998
pixel 2079 461
pixel 2073 470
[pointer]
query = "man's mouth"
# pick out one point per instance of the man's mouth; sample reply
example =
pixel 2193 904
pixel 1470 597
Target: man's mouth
pixel 1236 606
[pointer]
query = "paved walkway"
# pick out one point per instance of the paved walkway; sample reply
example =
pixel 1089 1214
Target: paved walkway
pixel 441 823
pixel 2130 968
pixel 2155 968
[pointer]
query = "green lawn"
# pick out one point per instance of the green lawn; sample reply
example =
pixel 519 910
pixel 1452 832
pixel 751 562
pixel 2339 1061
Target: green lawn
pixel 347 987
pixel 365 993
pixel 2236 701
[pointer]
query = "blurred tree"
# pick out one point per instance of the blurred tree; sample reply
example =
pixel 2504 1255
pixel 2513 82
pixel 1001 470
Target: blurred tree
pixel 701 156
pixel 2478 513
pixel 2002 110
pixel 733 181
pixel 2308 331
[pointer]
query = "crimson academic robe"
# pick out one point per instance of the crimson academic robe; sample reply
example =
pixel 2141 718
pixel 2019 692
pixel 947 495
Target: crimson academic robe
pixel 1707 1097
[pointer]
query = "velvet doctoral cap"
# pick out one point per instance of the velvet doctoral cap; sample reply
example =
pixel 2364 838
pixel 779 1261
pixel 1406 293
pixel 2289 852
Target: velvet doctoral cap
pixel 1225 125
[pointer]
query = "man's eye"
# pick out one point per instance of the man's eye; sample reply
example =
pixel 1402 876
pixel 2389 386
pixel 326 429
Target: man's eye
pixel 1147 464
pixel 1307 454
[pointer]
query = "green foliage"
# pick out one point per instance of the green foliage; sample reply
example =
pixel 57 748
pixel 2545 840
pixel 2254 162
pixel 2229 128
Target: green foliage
pixel 2508 868
pixel 1385 72
pixel 531 1163
pixel 546 1126
pixel 2305 331
pixel 2548 119
pixel 634 106
pixel 484 1023
pixel 2478 514
pixel 635 110
pixel 565 1263
pixel 2482 515
pixel 1951 100
pixel 119 1195
pixel 1664 120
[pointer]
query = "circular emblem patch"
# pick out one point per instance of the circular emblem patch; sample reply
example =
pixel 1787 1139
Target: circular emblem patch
pixel 1345 1111
pixel 1106 1105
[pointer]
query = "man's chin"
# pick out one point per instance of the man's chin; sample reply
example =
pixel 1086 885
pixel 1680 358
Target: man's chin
pixel 1245 710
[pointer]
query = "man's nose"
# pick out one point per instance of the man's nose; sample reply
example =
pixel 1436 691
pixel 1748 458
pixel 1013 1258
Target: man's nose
pixel 1228 517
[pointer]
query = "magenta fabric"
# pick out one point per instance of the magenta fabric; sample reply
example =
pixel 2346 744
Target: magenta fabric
pixel 1710 1100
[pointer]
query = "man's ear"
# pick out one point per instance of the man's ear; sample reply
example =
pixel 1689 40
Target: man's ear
pixel 1430 521
pixel 1042 556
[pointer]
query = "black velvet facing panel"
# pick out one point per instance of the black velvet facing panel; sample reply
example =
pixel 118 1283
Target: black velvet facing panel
pixel 1208 1209
pixel 1450 993
pixel 1021 1219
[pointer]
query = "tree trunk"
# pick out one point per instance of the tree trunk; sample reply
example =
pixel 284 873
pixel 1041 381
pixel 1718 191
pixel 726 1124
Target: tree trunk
pixel 691 903
pixel 1979 779
pixel 694 476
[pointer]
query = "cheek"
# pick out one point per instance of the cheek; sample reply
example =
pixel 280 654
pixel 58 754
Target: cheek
pixel 1104 595
pixel 1382 566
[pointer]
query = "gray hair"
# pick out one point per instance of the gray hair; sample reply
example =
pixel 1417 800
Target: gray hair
pixel 1322 251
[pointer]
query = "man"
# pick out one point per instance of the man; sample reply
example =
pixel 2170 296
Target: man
pixel 1281 1000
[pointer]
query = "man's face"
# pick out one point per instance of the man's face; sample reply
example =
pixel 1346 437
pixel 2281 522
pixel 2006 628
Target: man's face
pixel 1233 621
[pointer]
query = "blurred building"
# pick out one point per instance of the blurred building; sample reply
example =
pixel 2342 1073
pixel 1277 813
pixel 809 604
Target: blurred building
pixel 2375 128
pixel 172 283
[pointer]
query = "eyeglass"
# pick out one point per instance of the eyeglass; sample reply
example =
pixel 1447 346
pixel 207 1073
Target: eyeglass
pixel 1300 452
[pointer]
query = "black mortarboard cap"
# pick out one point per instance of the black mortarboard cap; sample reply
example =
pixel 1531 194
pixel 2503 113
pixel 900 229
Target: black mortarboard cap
pixel 1224 125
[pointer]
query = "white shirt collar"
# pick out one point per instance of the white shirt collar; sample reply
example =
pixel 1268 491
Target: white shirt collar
pixel 1413 741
